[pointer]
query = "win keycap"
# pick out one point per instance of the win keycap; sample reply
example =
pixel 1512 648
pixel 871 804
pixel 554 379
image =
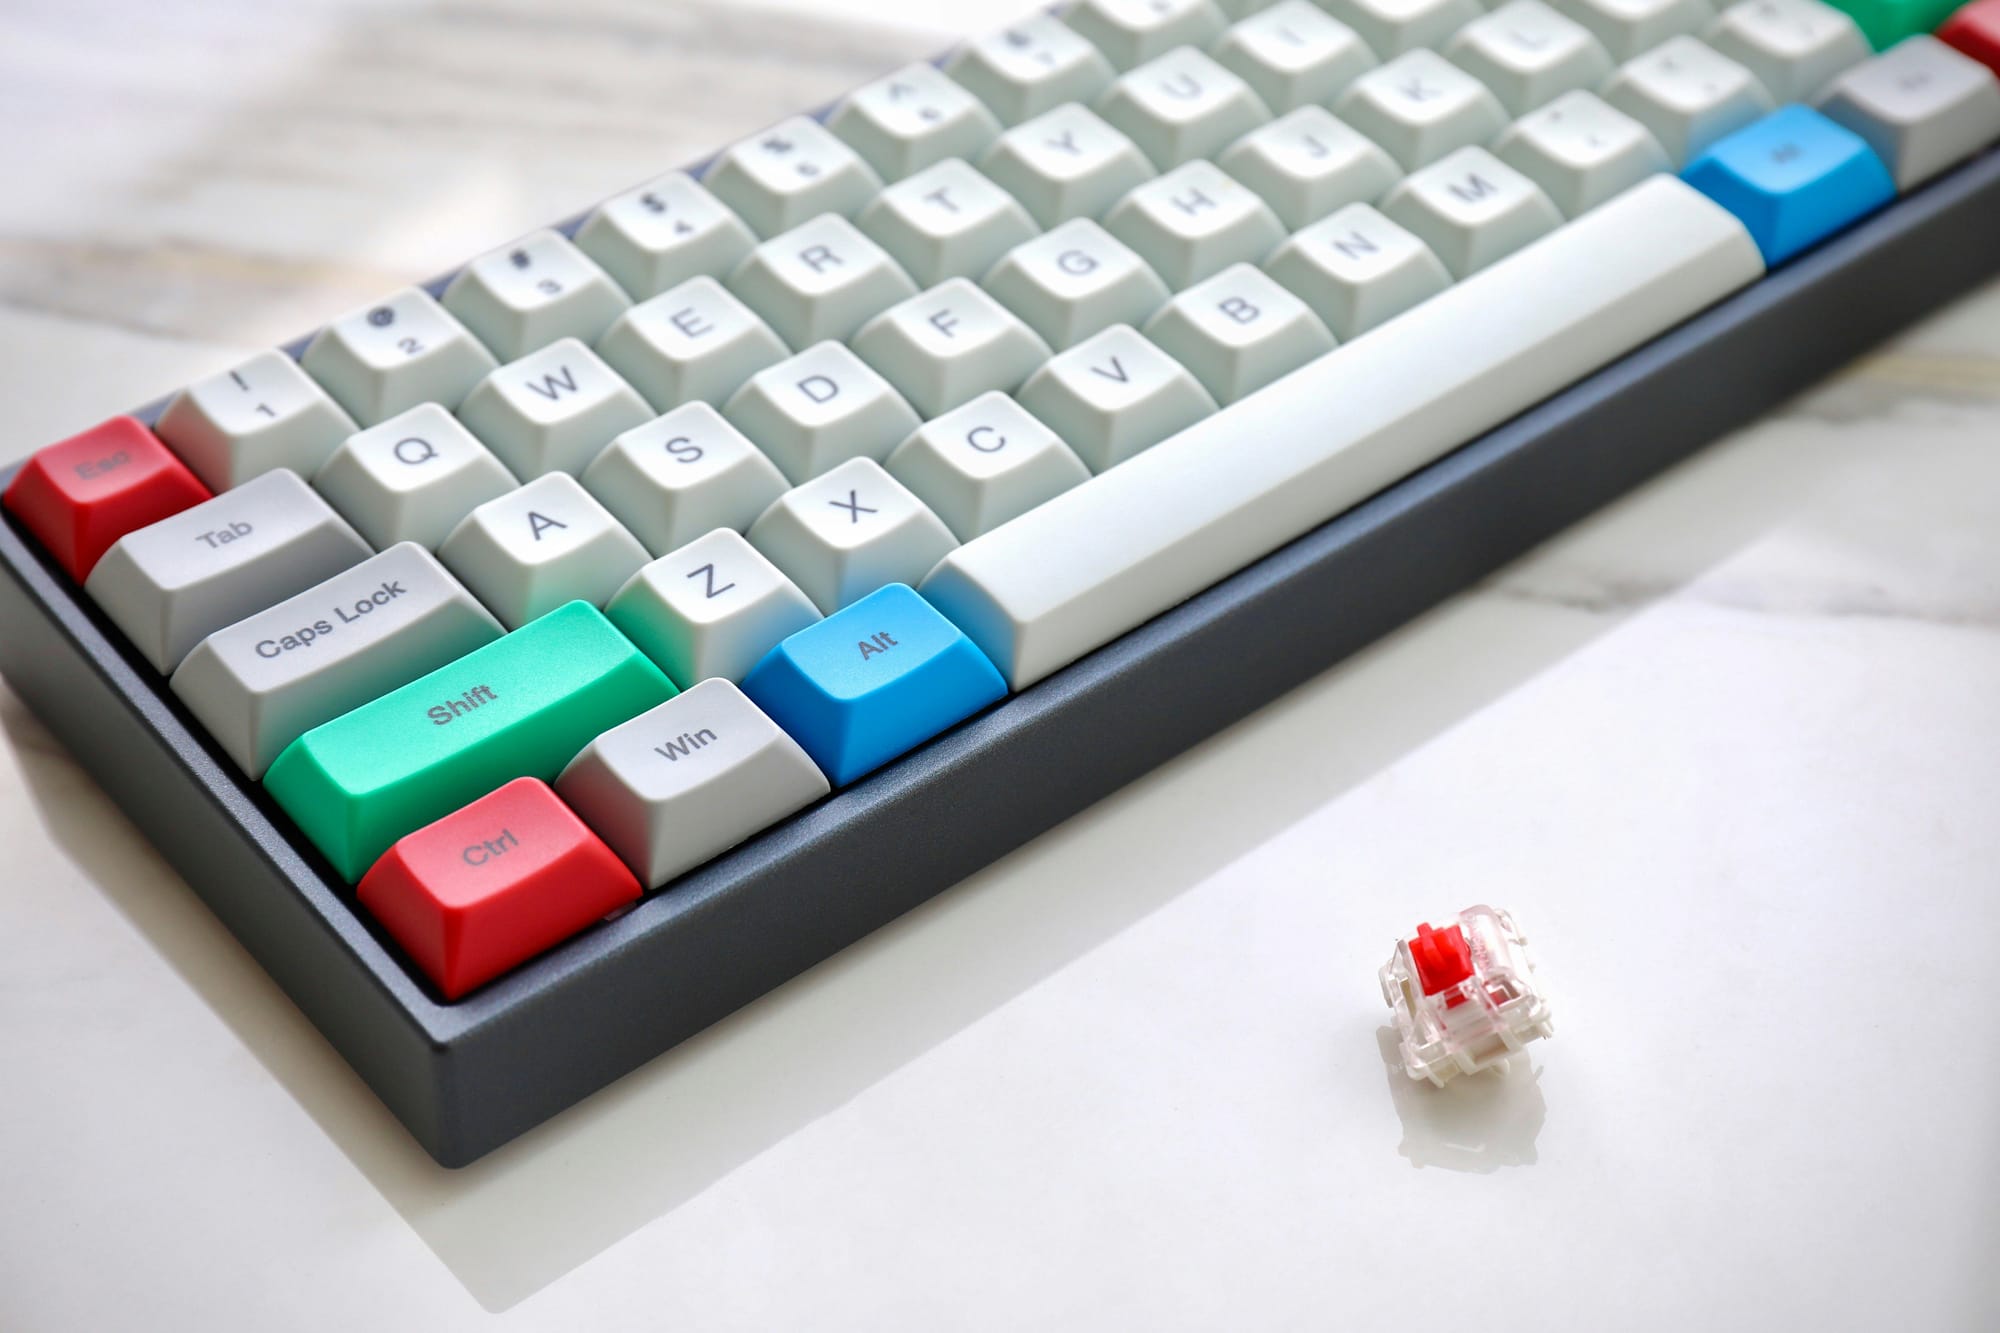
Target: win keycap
pixel 522 706
pixel 872 680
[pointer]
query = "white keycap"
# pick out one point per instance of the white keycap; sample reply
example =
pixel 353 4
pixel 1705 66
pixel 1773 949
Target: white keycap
pixel 1194 222
pixel 663 233
pixel 948 346
pixel 261 683
pixel 1921 105
pixel 911 119
pixel 1528 54
pixel 1307 164
pixel 1391 27
pixel 1097 560
pixel 412 478
pixel 1632 27
pixel 1069 283
pixel 984 463
pixel 552 410
pixel 1794 47
pixel 1131 32
pixel 713 607
pixel 1420 106
pixel 524 296
pixel 791 172
pixel 682 475
pixel 1182 106
pixel 1064 164
pixel 390 357
pixel 1356 269
pixel 819 408
pixel 173 583
pixel 1294 54
pixel 1471 209
pixel 845 534
pixel 692 343
pixel 1034 66
pixel 947 221
pixel 1581 152
pixel 264 414
pixel 1687 95
pixel 684 782
pixel 1115 395
pixel 537 548
pixel 820 280
pixel 1238 331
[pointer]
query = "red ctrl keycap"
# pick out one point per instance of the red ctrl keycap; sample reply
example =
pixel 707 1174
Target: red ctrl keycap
pixel 80 496
pixel 494 884
pixel 1975 30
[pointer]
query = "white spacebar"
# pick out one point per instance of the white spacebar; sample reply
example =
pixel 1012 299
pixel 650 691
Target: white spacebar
pixel 1041 591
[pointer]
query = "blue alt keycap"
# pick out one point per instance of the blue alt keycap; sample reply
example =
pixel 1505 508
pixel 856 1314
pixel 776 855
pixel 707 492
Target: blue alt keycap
pixel 871 681
pixel 1793 178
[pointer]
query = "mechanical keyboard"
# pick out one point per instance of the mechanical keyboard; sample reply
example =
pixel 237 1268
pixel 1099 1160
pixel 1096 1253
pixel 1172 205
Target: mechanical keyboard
pixel 538 664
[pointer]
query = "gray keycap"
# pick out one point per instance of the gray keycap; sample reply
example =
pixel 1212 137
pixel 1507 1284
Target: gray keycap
pixel 174 583
pixel 688 780
pixel 263 682
pixel 1115 395
pixel 1921 105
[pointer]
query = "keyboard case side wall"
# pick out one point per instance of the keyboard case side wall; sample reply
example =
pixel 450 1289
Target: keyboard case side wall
pixel 468 1077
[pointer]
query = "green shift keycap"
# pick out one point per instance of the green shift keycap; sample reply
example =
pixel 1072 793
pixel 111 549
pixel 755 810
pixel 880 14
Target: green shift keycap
pixel 1886 22
pixel 522 706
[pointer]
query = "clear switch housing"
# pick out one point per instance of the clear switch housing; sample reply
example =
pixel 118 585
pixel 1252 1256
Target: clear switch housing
pixel 1464 995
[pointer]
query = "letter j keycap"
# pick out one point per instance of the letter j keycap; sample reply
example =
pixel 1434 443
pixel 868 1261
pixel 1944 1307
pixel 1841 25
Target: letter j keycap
pixel 1793 179
pixel 872 680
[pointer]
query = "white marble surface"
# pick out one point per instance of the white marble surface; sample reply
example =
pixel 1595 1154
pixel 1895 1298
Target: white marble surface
pixel 1729 750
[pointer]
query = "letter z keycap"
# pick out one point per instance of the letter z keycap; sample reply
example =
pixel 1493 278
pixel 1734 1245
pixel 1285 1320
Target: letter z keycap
pixel 871 681
pixel 494 884
pixel 522 706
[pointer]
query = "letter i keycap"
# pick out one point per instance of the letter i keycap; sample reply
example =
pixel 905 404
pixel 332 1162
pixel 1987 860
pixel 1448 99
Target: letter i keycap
pixel 81 495
pixel 494 884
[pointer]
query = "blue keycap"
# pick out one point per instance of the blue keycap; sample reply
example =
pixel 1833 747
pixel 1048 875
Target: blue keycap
pixel 871 681
pixel 1793 178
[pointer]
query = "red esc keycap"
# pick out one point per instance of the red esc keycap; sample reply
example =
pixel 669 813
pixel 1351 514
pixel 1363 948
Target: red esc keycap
pixel 493 885
pixel 1975 30
pixel 80 496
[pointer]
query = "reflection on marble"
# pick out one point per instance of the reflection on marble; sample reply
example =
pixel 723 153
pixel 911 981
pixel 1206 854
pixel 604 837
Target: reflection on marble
pixel 1477 1123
